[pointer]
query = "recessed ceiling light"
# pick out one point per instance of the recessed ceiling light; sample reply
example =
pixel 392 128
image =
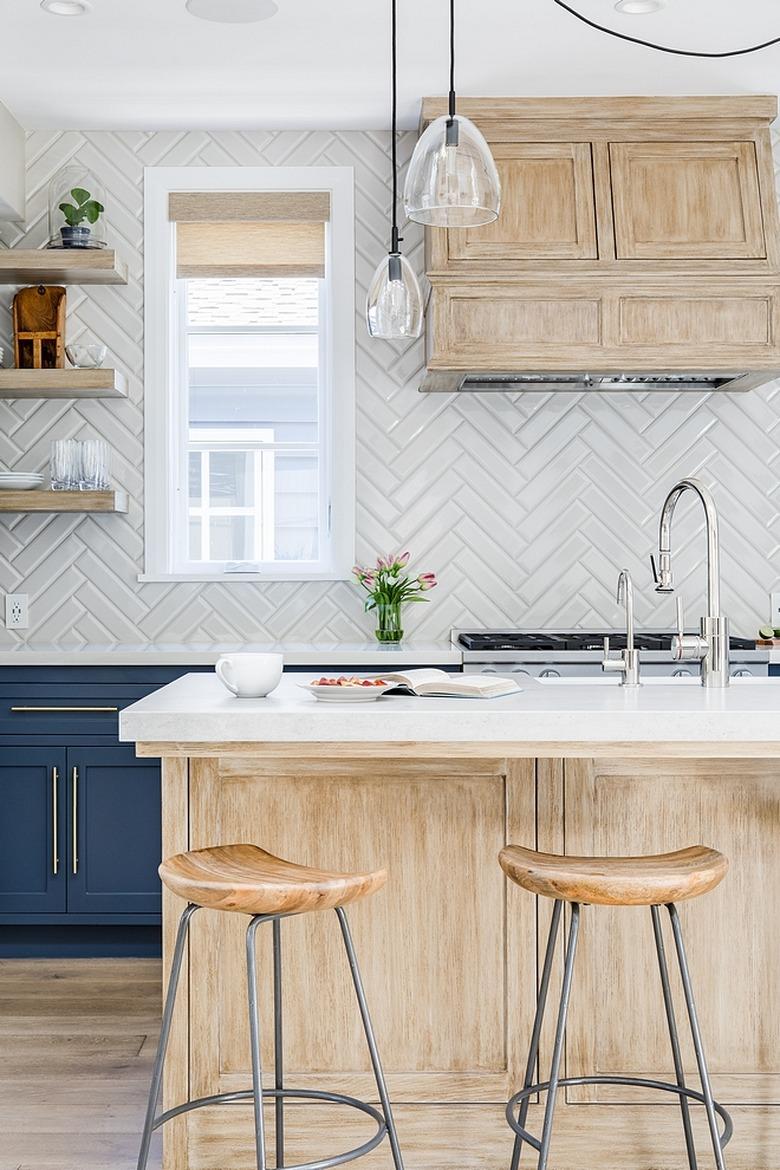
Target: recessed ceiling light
pixel 232 11
pixel 639 7
pixel 65 7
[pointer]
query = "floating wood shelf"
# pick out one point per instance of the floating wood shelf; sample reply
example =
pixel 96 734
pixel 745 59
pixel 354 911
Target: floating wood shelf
pixel 48 501
pixel 100 383
pixel 61 266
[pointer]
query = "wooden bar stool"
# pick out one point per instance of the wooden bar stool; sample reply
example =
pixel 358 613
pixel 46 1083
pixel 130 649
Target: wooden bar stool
pixel 244 879
pixel 615 881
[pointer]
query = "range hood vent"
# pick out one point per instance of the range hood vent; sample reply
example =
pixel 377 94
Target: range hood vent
pixel 446 382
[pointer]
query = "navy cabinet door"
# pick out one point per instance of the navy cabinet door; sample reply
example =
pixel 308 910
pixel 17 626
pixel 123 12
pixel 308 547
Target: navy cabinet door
pixel 32 831
pixel 114 832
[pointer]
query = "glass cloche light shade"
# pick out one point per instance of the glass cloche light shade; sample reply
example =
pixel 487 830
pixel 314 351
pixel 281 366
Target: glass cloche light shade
pixel 77 206
pixel 394 301
pixel 452 180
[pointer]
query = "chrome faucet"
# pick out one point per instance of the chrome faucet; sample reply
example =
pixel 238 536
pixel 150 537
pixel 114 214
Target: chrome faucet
pixel 711 645
pixel 628 662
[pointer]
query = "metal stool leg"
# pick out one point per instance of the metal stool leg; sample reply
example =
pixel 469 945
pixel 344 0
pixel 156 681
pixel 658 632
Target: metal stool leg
pixel 679 1071
pixel 560 1032
pixel 278 1043
pixel 706 1087
pixel 254 1039
pixel 533 1051
pixel 370 1040
pixel 165 1032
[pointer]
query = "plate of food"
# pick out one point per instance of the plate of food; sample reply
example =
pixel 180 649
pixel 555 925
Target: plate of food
pixel 347 689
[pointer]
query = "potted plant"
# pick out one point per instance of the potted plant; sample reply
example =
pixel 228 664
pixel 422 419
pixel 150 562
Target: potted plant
pixel 388 587
pixel 79 215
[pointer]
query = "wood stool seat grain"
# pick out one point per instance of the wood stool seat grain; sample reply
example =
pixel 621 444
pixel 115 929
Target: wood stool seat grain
pixel 248 880
pixel 616 881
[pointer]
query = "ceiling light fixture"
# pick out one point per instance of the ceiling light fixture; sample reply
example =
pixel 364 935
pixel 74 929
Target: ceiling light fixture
pixel 452 180
pixel 639 7
pixel 394 301
pixel 232 11
pixel 65 7
pixel 611 32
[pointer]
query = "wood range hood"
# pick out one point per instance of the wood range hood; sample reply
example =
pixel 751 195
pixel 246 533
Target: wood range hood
pixel 637 249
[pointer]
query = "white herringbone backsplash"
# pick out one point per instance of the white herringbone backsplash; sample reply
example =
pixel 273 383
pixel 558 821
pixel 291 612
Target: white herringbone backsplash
pixel 526 505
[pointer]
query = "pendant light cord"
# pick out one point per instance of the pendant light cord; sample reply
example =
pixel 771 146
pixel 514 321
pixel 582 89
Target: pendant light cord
pixel 452 59
pixel 651 44
pixel 395 239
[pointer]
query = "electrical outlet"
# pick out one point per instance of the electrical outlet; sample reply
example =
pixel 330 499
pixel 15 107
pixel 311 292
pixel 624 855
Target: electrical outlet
pixel 774 610
pixel 16 613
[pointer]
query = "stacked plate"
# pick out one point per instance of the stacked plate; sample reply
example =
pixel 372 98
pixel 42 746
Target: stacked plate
pixel 20 481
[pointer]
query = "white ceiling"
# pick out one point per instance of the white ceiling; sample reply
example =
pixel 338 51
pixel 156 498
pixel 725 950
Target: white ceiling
pixel 148 64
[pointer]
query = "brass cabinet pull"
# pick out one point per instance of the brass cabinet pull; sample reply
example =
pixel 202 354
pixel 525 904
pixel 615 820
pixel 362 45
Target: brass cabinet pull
pixel 75 780
pixel 16 709
pixel 55 853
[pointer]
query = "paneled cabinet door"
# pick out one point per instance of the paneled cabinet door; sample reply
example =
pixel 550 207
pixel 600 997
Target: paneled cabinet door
pixel 32 830
pixel 617 1022
pixel 686 201
pixel 113 837
pixel 547 207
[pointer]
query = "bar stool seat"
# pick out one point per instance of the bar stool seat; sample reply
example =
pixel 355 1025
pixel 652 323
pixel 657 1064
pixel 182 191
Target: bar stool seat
pixel 246 879
pixel 655 880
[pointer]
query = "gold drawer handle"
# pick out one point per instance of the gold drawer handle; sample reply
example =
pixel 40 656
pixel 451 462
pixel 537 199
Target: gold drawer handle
pixel 15 710
pixel 55 860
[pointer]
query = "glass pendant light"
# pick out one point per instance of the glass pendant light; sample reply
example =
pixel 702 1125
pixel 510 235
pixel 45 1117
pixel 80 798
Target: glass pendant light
pixel 452 180
pixel 394 302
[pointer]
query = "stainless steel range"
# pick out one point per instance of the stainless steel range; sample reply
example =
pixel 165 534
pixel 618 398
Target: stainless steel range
pixel 579 653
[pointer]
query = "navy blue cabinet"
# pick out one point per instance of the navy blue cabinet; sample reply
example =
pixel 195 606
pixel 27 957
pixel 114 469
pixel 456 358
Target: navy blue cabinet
pixel 32 830
pixel 114 841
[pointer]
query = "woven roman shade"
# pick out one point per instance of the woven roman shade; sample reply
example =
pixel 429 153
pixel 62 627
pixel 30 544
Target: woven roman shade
pixel 250 233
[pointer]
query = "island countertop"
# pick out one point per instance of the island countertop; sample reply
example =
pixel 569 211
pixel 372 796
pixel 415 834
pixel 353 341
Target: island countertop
pixel 196 710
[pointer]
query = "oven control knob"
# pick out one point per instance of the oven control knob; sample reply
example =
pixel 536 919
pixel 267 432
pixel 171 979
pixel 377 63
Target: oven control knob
pixel 550 674
pixel 743 673
pixel 682 673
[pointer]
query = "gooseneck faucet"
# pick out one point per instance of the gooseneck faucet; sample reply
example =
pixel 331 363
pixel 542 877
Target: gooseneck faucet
pixel 711 645
pixel 628 662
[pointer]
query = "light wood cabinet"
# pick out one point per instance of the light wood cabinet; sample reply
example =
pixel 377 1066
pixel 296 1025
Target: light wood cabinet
pixel 547 208
pixel 617 1023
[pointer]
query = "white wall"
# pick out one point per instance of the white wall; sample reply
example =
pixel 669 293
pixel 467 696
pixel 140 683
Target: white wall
pixel 12 168
pixel 526 505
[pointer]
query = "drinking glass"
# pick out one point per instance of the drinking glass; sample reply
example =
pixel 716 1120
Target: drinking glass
pixel 93 472
pixel 64 465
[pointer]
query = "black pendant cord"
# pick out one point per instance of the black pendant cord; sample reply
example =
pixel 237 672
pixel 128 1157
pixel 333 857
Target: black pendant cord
pixel 452 59
pixel 651 44
pixel 395 239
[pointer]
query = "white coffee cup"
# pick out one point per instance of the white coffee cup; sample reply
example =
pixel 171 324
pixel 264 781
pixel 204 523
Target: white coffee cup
pixel 250 676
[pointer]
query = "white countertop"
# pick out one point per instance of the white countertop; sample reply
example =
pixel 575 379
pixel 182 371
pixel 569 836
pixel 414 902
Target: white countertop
pixel 314 654
pixel 197 709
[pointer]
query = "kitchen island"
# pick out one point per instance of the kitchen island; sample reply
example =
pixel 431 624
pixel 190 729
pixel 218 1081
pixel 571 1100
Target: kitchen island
pixel 432 788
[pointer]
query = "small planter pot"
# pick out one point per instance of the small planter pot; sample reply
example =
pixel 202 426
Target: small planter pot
pixel 389 628
pixel 76 237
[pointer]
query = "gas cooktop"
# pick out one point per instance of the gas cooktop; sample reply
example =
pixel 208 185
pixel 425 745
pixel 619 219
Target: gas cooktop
pixel 491 641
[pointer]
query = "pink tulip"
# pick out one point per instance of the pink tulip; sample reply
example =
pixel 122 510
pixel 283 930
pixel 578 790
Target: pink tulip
pixel 402 560
pixel 427 580
pixel 382 564
pixel 368 577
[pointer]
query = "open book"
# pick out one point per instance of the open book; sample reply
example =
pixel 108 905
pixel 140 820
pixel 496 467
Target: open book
pixel 440 683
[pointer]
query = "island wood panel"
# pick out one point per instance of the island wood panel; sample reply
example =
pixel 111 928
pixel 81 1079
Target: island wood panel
pixel 433 945
pixel 617 1021
pixel 547 209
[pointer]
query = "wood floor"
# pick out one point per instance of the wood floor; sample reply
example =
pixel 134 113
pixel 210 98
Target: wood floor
pixel 77 1040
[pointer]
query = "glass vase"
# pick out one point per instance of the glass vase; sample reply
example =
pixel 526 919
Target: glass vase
pixel 76 209
pixel 388 622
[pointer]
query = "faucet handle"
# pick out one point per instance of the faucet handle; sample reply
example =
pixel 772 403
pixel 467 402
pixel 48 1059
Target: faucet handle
pixel 686 647
pixel 654 568
pixel 680 616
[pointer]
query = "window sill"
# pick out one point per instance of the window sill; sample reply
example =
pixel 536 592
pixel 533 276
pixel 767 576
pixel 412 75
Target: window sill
pixel 228 578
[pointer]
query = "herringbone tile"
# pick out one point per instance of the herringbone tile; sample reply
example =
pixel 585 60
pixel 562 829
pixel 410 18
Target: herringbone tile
pixel 526 505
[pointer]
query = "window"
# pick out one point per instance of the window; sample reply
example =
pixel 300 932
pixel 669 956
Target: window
pixel 249 373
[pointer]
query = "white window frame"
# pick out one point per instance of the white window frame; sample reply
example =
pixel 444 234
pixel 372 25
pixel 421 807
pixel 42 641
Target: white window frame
pixel 164 390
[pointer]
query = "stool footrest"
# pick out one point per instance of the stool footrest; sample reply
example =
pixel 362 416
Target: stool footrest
pixel 635 1082
pixel 305 1094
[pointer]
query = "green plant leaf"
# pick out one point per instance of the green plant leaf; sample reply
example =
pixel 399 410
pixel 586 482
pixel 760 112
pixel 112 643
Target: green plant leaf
pixel 92 210
pixel 80 195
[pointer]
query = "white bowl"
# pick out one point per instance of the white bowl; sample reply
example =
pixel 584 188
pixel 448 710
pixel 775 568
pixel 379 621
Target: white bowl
pixel 86 357
pixel 20 482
